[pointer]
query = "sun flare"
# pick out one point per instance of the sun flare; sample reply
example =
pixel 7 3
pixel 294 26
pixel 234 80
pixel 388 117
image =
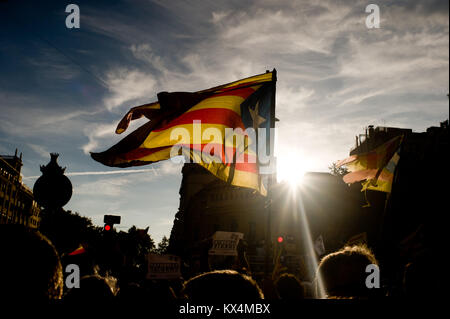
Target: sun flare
pixel 291 168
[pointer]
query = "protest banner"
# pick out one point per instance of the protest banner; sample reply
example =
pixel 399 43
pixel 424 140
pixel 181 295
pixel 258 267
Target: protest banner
pixel 163 266
pixel 319 246
pixel 225 243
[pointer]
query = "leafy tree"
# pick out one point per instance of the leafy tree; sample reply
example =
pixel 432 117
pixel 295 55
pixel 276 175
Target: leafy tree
pixel 162 246
pixel 138 243
pixel 338 171
pixel 124 253
pixel 67 230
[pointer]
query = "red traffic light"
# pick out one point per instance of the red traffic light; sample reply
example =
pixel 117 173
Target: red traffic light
pixel 107 227
pixel 280 239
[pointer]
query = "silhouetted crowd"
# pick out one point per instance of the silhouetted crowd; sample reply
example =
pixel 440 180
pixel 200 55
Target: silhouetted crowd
pixel 31 269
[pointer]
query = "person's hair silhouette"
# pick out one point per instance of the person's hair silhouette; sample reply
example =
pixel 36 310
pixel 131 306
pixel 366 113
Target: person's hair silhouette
pixel 289 287
pixel 343 273
pixel 30 268
pixel 93 288
pixel 222 285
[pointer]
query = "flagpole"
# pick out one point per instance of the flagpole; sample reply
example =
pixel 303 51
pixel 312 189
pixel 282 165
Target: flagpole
pixel 268 240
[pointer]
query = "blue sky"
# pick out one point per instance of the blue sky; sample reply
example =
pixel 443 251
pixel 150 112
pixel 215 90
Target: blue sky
pixel 64 90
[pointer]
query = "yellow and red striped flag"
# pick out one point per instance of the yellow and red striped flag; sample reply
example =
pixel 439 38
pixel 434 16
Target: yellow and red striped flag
pixel 386 177
pixel 80 250
pixel 243 104
pixel 376 168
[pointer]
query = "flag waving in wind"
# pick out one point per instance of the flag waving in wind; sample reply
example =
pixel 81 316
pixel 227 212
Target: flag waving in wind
pixel 376 168
pixel 212 127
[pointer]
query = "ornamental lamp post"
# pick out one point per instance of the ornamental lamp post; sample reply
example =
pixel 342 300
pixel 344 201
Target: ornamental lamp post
pixel 53 189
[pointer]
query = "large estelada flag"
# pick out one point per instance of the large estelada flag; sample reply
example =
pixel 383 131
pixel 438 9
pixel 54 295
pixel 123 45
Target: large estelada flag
pixel 240 105
pixel 375 168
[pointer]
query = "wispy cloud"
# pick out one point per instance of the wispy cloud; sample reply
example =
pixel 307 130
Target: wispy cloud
pixel 128 85
pixel 53 65
pixel 96 132
pixel 131 171
pixel 165 168
pixel 30 114
pixel 109 187
pixel 102 135
pixel 42 151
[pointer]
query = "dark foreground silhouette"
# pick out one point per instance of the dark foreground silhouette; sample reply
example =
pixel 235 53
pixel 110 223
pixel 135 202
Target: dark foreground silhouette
pixel 31 270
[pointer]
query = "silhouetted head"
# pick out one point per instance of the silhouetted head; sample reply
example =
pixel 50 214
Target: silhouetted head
pixel 289 287
pixel 159 290
pixel 417 282
pixel 222 285
pixel 343 273
pixel 131 292
pixel 30 268
pixel 92 288
pixel 218 262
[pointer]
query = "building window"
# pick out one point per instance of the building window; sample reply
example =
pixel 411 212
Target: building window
pixel 251 231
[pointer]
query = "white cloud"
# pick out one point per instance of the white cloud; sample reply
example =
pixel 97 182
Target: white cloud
pixel 42 151
pixel 145 53
pixel 53 65
pixel 291 101
pixel 96 133
pixel 27 115
pixel 128 85
pixel 169 168
pixel 93 173
pixel 111 187
pixel 218 17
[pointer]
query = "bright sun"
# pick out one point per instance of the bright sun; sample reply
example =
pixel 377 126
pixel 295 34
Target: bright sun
pixel 291 168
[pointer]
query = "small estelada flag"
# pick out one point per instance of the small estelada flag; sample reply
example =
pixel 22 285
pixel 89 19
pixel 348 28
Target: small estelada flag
pixel 80 250
pixel 206 118
pixel 376 167
pixel 319 246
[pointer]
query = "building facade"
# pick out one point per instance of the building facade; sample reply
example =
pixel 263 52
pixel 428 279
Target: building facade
pixel 17 205
pixel 320 207
pixel 412 227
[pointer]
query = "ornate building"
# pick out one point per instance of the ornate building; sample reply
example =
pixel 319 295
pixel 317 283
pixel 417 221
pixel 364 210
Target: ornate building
pixel 17 205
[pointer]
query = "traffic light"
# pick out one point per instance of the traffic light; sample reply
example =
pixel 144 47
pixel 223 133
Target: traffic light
pixel 109 221
pixel 278 251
